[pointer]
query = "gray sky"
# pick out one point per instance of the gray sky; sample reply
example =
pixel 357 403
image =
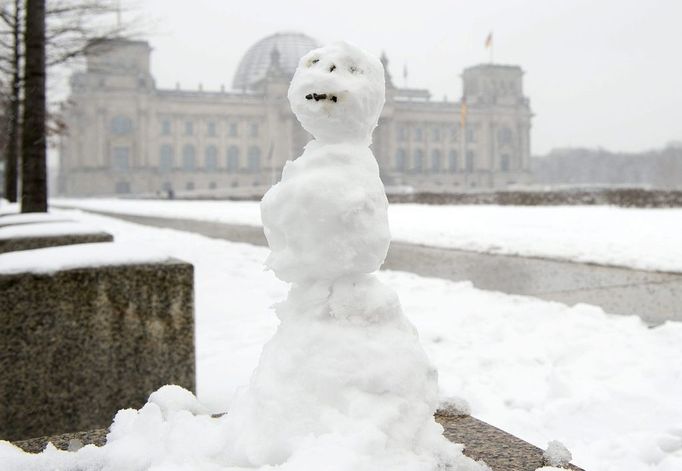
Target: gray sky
pixel 599 72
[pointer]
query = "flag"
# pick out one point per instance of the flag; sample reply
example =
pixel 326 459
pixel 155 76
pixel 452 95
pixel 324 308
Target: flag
pixel 405 71
pixel 463 113
pixel 489 40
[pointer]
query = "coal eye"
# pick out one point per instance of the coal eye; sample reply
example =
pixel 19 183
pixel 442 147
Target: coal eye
pixel 315 61
pixel 332 68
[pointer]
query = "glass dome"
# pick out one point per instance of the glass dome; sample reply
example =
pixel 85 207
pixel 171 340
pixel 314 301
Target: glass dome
pixel 254 64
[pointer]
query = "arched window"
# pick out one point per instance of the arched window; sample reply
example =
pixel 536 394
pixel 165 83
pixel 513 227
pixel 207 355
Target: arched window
pixel 254 159
pixel 452 161
pixel 400 160
pixel 418 161
pixel 471 156
pixel 121 125
pixel 166 158
pixel 211 159
pixel 504 136
pixel 233 159
pixel 436 161
pixel 504 162
pixel 418 134
pixel 188 157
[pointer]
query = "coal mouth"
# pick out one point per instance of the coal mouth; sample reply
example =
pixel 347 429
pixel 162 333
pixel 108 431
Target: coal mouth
pixel 321 96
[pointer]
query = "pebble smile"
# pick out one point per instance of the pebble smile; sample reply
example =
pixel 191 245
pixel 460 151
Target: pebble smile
pixel 323 96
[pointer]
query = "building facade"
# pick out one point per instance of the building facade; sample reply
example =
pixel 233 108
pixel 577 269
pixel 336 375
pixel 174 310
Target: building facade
pixel 126 136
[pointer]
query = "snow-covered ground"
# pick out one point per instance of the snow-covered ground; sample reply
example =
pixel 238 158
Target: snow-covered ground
pixel 607 386
pixel 647 239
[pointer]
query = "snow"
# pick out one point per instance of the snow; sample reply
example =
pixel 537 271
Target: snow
pixel 26 218
pixel 328 392
pixel 327 217
pixel 605 385
pixel 67 257
pixel 46 229
pixel 646 239
pixel 556 454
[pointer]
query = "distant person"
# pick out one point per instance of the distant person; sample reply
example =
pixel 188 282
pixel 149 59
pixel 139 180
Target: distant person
pixel 171 194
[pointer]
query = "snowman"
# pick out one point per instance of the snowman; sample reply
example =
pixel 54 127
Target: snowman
pixel 344 383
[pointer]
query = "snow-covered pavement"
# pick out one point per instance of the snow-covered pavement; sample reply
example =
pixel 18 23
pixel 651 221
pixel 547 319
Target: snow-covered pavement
pixel 607 386
pixel 647 239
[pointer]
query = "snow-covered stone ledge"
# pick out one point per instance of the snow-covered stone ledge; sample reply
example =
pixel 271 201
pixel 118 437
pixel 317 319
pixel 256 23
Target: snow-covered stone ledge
pixel 31 231
pixel 500 450
pixel 87 330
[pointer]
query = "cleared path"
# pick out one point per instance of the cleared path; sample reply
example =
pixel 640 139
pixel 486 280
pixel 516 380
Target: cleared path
pixel 654 296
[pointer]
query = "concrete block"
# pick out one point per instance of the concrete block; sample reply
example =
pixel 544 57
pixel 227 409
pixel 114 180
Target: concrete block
pixel 80 344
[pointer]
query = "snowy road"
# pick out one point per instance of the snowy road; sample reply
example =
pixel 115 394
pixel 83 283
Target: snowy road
pixel 653 296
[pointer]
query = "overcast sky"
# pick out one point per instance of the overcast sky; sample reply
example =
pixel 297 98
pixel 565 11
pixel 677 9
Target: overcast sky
pixel 598 72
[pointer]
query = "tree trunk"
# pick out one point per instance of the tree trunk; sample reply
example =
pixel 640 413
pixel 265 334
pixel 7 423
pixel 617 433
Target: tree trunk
pixel 33 138
pixel 12 149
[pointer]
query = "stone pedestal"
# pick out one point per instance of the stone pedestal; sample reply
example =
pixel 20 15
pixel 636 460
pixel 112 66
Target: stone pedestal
pixel 80 344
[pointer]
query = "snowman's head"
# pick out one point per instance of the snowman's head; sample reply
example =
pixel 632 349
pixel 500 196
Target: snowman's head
pixel 337 93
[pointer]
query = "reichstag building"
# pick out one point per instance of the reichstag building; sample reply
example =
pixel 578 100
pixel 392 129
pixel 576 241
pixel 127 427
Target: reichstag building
pixel 126 136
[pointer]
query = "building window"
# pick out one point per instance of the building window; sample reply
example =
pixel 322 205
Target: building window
pixel 122 188
pixel 233 159
pixel 471 156
pixel 400 160
pixel 188 157
pixel 189 186
pixel 418 134
pixel 402 133
pixel 435 133
pixel 436 161
pixel 121 125
pixel 253 130
pixel 166 127
pixel 471 134
pixel 211 162
pixel 211 129
pixel 418 161
pixel 504 162
pixel 452 161
pixel 120 159
pixel 234 130
pixel 453 133
pixel 189 128
pixel 254 160
pixel 166 158
pixel 504 136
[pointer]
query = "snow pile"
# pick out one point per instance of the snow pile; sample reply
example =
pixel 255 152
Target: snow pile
pixel 345 375
pixel 556 454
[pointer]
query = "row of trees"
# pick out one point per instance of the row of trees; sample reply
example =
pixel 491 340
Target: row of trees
pixel 35 37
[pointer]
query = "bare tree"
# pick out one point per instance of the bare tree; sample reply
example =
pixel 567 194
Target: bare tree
pixel 10 66
pixel 33 137
pixel 70 27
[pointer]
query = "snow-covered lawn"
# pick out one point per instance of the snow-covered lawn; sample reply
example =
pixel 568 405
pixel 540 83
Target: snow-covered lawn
pixel 607 386
pixel 648 239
